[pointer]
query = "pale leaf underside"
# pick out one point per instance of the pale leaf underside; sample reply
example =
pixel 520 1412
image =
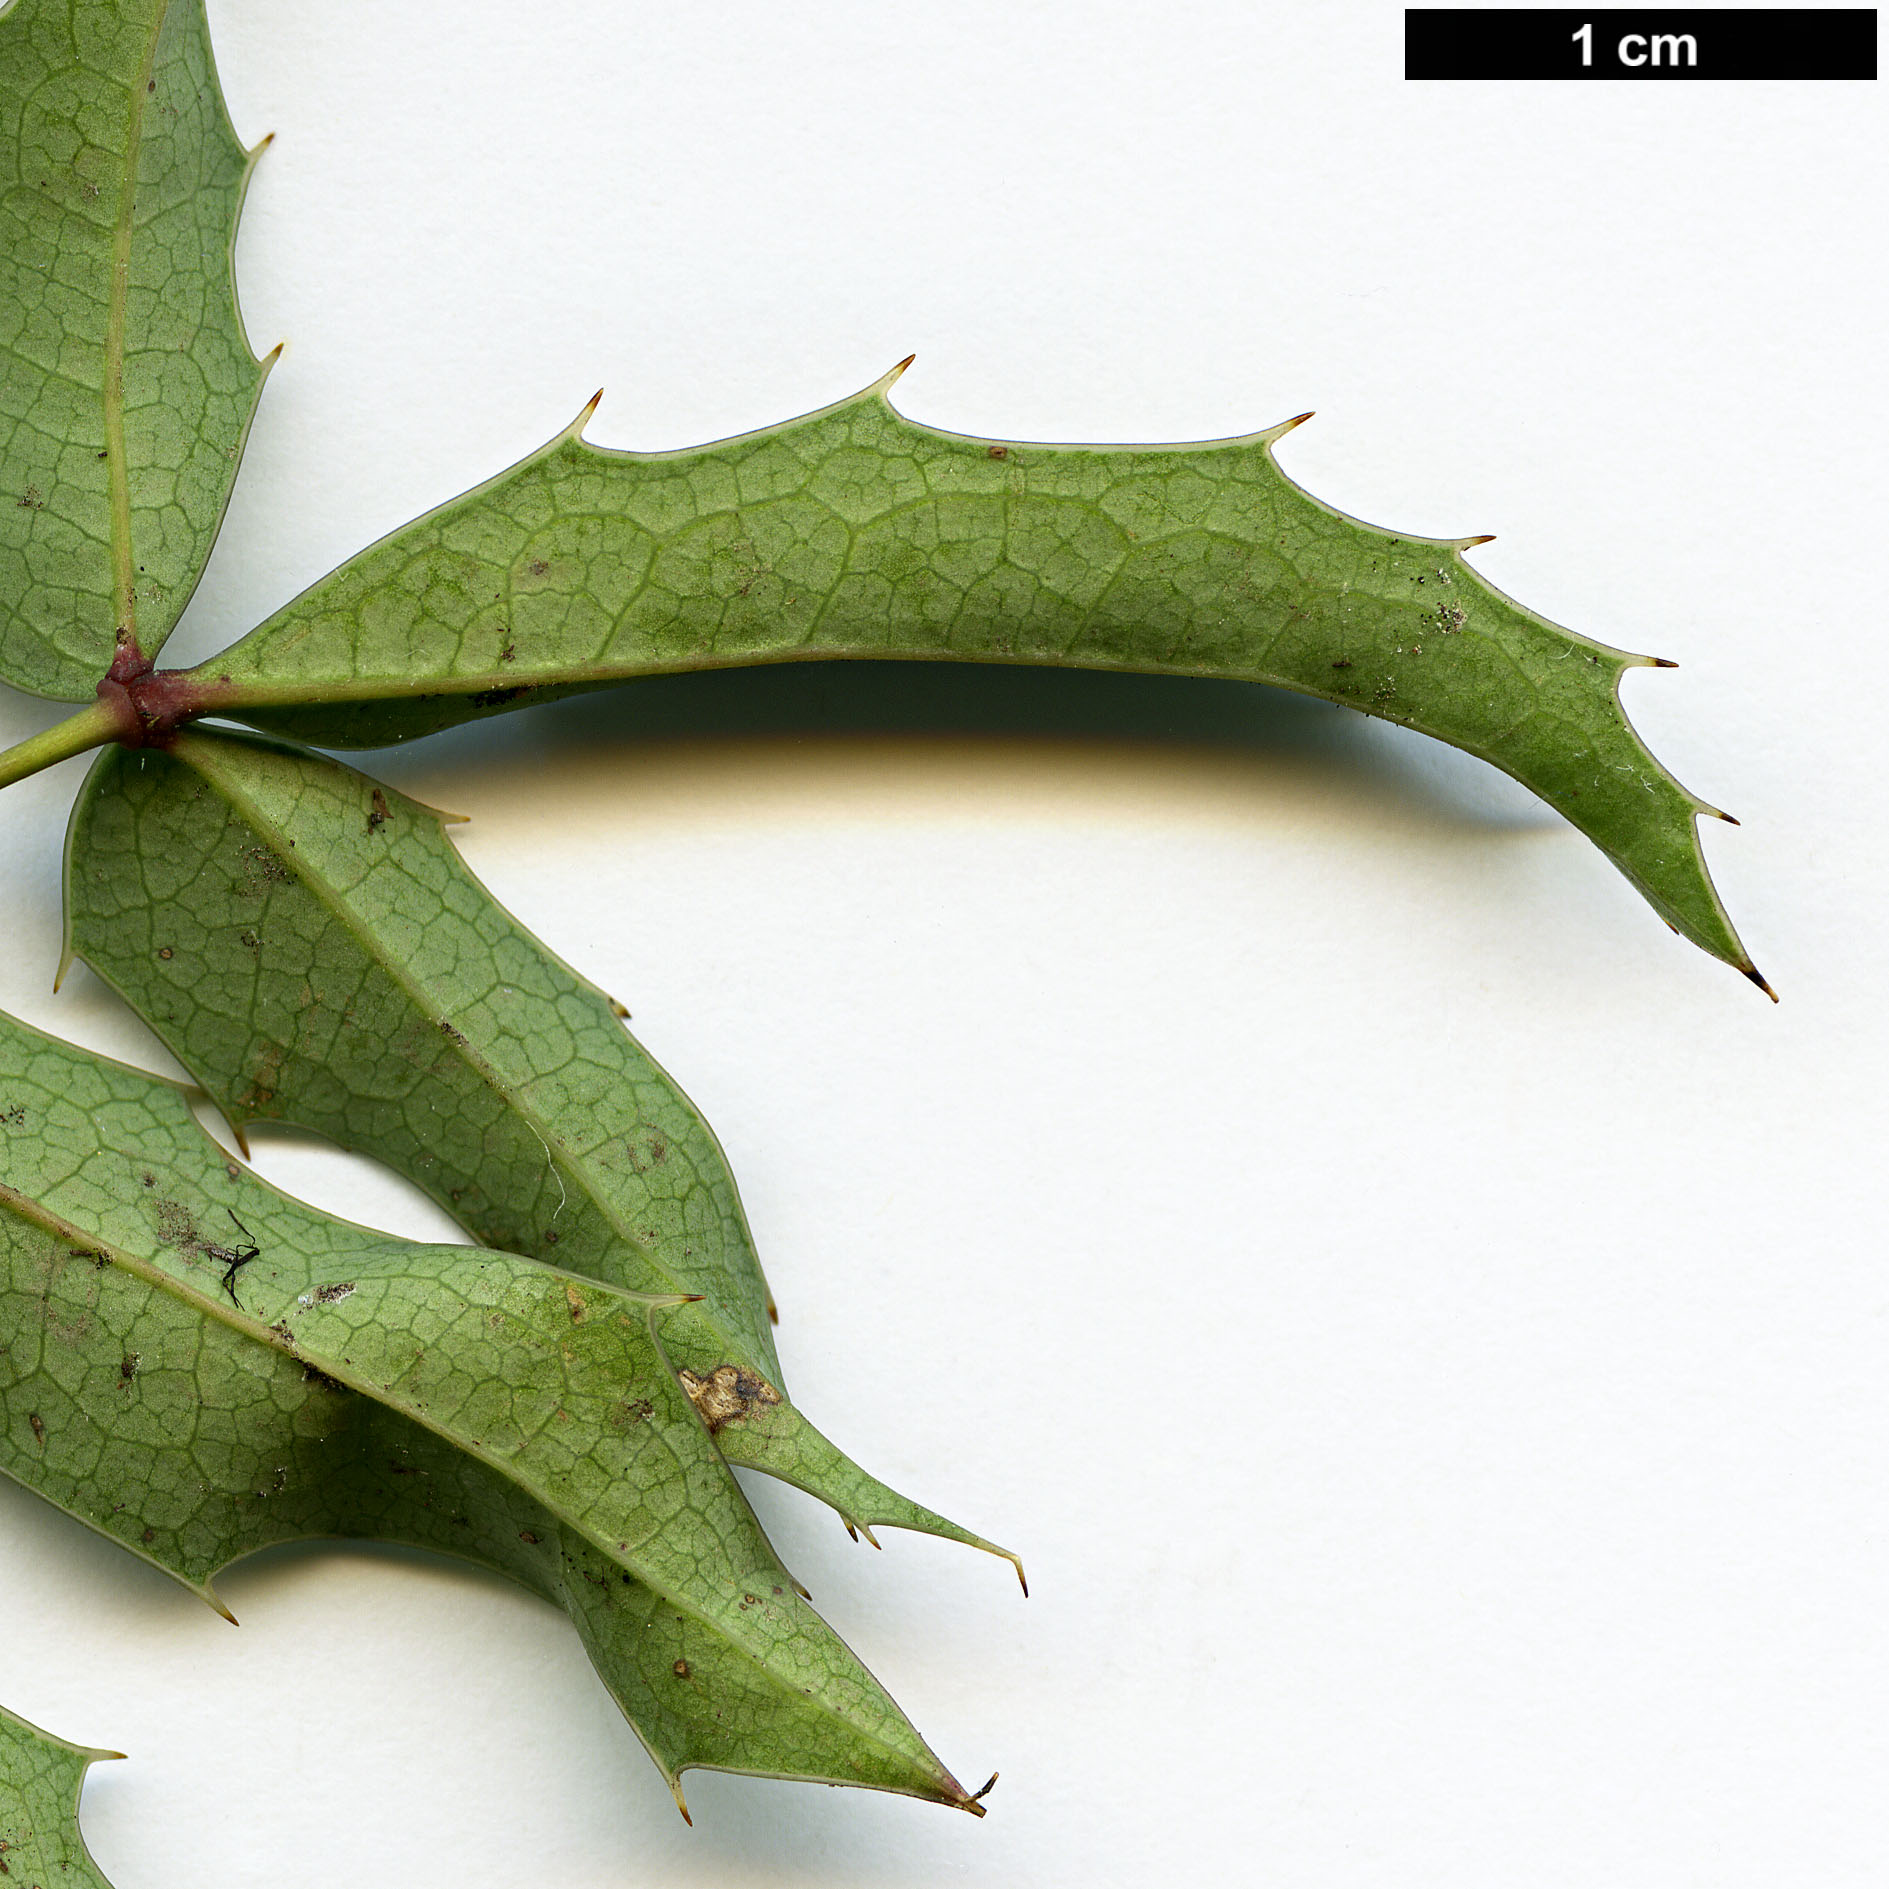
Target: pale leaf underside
pixel 312 948
pixel 40 1780
pixel 197 1365
pixel 126 382
pixel 856 533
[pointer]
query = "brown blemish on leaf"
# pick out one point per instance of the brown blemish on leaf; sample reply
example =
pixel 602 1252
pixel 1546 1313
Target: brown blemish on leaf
pixel 728 1394
pixel 631 1411
pixel 128 1367
pixel 30 500
pixel 528 1538
pixel 14 1117
pixel 681 1669
pixel 575 1300
pixel 377 812
pixel 39 1429
pixel 262 1086
pixel 329 1295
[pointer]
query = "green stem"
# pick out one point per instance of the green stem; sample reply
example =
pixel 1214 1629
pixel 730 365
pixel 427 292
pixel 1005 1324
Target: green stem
pixel 90 728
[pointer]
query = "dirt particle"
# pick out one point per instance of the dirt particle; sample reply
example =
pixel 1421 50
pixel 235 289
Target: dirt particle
pixel 150 1180
pixel 681 1669
pixel 128 1367
pixel 528 1538
pixel 377 812
pixel 537 567
pixel 320 1379
pixel 552 1236
pixel 261 868
pixel 30 500
pixel 328 1295
pixel 176 1227
pixel 149 1536
pixel 14 1117
pixel 39 1429
pixel 1000 452
pixel 1343 662
pixel 728 1394
pixel 575 1300
pixel 232 1170
pixel 631 1411
pixel 166 953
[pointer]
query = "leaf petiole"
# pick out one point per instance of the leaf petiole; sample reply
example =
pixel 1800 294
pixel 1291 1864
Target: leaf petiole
pixel 90 728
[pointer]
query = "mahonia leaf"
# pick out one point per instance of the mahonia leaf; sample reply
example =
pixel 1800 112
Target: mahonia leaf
pixel 856 533
pixel 312 948
pixel 126 382
pixel 197 1365
pixel 40 1780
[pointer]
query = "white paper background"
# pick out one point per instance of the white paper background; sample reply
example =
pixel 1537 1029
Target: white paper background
pixel 1422 1324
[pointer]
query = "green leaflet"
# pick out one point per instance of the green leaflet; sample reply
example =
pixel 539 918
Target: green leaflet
pixel 856 533
pixel 126 382
pixel 464 1400
pixel 40 1780
pixel 312 948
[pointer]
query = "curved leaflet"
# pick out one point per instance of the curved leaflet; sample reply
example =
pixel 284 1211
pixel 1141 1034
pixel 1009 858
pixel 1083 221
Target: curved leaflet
pixel 197 1365
pixel 855 532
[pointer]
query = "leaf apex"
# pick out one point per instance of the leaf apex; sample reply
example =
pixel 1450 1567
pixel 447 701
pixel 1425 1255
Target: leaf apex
pixel 1757 977
pixel 1469 544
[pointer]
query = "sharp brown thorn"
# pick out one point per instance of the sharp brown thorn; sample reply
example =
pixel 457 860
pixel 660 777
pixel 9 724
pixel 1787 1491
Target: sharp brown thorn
pixel 977 1797
pixel 1757 977
pixel 1469 544
pixel 1662 662
pixel 850 1529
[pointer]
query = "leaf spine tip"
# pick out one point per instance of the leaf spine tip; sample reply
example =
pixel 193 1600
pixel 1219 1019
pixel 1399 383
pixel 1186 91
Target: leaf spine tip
pixel 885 380
pixel 1757 977
pixel 1662 662
pixel 1273 434
pixel 1469 544
pixel 66 957
pixel 977 1797
pixel 577 426
pixel 675 1790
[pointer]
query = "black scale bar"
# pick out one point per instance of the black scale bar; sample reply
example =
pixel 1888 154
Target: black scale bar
pixel 1640 43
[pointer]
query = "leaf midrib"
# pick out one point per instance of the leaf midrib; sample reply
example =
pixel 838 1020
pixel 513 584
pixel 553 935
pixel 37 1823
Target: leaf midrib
pixel 124 575
pixel 550 1139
